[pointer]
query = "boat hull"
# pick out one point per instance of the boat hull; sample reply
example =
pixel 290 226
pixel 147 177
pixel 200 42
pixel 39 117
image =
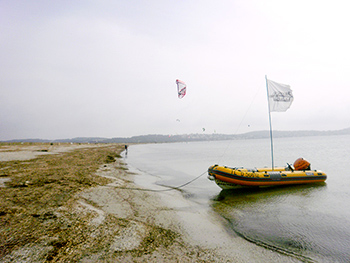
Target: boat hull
pixel 230 178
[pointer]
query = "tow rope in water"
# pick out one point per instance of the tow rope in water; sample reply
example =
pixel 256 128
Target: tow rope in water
pixel 164 190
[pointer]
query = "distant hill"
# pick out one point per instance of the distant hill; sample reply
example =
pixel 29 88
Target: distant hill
pixel 277 134
pixel 157 138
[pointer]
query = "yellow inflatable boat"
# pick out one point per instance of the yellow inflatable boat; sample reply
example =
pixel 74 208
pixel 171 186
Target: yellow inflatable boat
pixel 230 178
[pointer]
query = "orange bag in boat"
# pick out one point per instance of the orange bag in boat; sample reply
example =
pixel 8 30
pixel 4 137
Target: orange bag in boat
pixel 301 164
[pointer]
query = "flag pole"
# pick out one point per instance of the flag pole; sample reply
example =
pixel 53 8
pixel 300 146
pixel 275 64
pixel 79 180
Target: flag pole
pixel 268 102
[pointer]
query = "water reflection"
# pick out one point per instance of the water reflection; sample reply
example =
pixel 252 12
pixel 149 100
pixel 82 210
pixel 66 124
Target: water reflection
pixel 268 192
pixel 284 219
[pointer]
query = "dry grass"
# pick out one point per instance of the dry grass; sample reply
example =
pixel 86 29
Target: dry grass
pixel 38 187
pixel 42 219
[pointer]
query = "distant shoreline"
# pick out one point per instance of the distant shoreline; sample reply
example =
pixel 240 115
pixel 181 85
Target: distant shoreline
pixel 158 138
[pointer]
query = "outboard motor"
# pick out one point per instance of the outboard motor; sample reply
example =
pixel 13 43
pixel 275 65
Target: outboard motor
pixel 301 164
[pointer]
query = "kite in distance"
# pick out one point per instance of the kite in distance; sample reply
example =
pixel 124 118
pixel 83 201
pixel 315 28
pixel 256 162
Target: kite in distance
pixel 181 88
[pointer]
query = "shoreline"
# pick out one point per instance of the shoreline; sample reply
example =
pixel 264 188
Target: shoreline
pixel 127 225
pixel 202 227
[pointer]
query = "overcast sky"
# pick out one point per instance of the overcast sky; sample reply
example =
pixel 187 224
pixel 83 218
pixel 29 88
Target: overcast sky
pixel 108 68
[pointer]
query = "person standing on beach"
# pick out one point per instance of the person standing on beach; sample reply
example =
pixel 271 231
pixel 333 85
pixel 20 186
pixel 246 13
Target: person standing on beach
pixel 126 149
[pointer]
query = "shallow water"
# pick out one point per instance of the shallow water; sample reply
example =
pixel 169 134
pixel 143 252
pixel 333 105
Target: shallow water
pixel 310 222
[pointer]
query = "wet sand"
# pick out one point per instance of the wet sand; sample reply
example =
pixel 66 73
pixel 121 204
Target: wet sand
pixel 146 227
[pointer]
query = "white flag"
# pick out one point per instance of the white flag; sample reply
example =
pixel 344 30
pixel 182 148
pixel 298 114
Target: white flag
pixel 280 96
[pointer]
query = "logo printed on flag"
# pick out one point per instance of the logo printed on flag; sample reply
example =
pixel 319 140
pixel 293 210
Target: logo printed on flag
pixel 280 96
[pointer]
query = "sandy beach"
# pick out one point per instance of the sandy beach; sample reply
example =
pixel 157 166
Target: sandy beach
pixel 111 220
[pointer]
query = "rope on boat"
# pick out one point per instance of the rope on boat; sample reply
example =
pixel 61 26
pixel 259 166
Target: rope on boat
pixel 240 124
pixel 170 188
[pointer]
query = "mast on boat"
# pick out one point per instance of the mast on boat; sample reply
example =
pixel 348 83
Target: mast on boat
pixel 271 140
pixel 281 97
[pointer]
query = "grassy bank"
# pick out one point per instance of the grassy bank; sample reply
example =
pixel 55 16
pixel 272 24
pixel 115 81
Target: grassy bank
pixel 75 206
pixel 38 188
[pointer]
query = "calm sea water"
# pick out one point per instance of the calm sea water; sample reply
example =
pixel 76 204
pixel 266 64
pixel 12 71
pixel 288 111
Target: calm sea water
pixel 310 222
